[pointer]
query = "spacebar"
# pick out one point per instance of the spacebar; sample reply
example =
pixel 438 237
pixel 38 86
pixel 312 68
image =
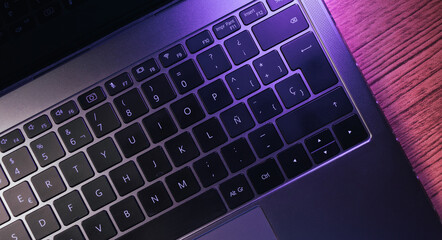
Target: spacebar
pixel 183 219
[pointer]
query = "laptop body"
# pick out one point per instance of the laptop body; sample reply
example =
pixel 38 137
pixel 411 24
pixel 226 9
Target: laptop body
pixel 365 189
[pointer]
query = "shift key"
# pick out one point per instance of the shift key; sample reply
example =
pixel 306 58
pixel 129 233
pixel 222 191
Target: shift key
pixel 314 115
pixel 280 27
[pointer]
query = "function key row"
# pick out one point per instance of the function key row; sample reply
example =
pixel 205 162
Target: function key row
pixel 213 63
pixel 118 84
pixel 11 140
pixel 64 112
pixel 37 126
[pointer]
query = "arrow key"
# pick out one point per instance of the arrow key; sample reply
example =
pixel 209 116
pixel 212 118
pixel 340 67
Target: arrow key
pixel 319 140
pixel 325 153
pixel 294 161
pixel 350 132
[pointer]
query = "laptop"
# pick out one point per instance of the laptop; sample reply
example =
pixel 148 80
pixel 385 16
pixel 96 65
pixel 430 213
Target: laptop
pixel 194 119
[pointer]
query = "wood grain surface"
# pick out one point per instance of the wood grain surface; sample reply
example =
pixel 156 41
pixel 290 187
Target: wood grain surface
pixel 397 45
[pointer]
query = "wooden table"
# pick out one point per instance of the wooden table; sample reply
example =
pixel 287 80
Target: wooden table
pixel 397 45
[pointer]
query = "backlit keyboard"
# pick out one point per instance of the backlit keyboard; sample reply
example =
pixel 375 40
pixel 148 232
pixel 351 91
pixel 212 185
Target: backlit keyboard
pixel 182 137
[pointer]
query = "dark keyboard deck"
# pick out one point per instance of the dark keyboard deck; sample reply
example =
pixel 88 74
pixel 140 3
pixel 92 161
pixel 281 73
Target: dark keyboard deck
pixel 181 137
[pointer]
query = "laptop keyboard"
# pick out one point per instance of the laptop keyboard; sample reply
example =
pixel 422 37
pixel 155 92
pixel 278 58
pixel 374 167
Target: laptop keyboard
pixel 182 138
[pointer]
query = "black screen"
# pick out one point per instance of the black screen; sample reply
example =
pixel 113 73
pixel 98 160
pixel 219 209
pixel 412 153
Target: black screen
pixel 37 33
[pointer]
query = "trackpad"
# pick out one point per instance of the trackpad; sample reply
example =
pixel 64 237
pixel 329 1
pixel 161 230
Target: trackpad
pixel 252 225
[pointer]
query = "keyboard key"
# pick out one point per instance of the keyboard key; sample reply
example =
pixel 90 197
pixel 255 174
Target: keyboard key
pixel 3 179
pixel 202 209
pixel 126 178
pixel 270 67
pixel 186 76
pixel 127 213
pixel 292 91
pixel 118 84
pixel 70 207
pixel 325 153
pixel 154 163
pixel 48 184
pixel 99 227
pixel 146 69
pixel 264 105
pixel 210 169
pixel 158 91
pixel 226 27
pixel 159 125
pixel 132 140
pixel 172 55
pixel 241 47
pixel 16 229
pixel 64 112
pixel 253 13
pixel 213 62
pixel 104 154
pixel 75 134
pixel 76 169
pixel 187 111
pixel 155 199
pixel 182 149
pixel 42 222
pixel 215 96
pixel 350 132
pixel 238 155
pixel 72 233
pixel 294 161
pixel 38 3
pixel 47 149
pixel 237 120
pixel 305 53
pixel 103 120
pixel 209 134
pixel 319 140
pixel 318 113
pixel 276 4
pixel 13 10
pixel 280 27
pixel 37 126
pixel 11 140
pixel 236 191
pixel 130 105
pixel 265 140
pixel 199 41
pixel 49 12
pixel 19 164
pixel 242 81
pixel 4 216
pixel 265 176
pixel 22 26
pixel 91 98
pixel 98 193
pixel 20 198
pixel 182 184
